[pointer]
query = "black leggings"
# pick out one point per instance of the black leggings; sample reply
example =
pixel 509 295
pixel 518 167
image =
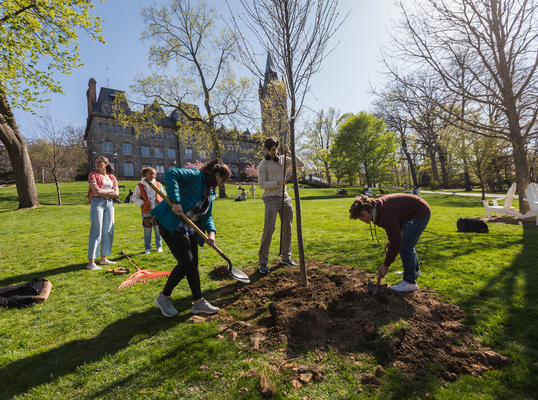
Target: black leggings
pixel 185 250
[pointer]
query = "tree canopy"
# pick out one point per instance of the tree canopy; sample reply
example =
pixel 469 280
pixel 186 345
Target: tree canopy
pixel 364 145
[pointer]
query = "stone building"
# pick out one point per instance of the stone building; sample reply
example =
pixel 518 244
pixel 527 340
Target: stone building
pixel 129 150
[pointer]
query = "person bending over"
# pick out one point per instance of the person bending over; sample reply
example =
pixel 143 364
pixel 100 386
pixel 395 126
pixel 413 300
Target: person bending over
pixel 404 217
pixel 191 191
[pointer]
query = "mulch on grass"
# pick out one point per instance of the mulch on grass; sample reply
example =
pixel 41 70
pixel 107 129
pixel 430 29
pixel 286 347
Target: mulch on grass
pixel 408 331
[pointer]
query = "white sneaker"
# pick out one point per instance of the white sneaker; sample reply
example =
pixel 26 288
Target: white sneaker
pixel 107 262
pixel 147 252
pixel 417 274
pixel 159 249
pixel 204 307
pixel 93 267
pixel 404 286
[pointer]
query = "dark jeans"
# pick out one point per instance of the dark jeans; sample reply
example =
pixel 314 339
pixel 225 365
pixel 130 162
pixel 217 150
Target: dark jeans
pixel 185 250
pixel 411 231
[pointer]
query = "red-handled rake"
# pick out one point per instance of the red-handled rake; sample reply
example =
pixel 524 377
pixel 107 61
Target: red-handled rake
pixel 141 276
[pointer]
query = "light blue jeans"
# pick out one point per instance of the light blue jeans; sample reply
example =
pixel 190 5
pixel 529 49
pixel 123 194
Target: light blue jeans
pixel 411 231
pixel 102 228
pixel 147 234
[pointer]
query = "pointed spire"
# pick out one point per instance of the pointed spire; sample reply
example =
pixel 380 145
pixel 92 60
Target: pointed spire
pixel 270 70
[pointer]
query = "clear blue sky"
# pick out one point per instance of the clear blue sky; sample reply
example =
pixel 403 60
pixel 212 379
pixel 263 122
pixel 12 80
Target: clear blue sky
pixel 342 84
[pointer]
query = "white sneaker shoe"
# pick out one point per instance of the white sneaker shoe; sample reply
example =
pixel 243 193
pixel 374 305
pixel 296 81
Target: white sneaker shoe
pixel 107 262
pixel 159 249
pixel 404 286
pixel 147 252
pixel 93 267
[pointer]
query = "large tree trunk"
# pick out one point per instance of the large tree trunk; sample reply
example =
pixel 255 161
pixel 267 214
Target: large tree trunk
pixel 327 172
pixel 18 155
pixel 431 154
pixel 522 171
pixel 409 161
pixel 442 162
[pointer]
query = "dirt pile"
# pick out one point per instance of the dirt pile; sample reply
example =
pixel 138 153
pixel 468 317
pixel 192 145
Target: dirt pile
pixel 334 312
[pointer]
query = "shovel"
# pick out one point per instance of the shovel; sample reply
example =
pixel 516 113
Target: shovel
pixel 371 288
pixel 234 272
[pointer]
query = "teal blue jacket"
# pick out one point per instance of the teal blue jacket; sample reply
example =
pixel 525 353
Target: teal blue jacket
pixel 184 186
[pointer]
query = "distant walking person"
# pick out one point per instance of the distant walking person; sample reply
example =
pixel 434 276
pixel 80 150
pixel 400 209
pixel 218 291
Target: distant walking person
pixel 146 198
pixel 191 191
pixel 103 189
pixel 404 217
pixel 272 180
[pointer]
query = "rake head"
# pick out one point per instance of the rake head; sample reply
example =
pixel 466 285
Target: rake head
pixel 142 276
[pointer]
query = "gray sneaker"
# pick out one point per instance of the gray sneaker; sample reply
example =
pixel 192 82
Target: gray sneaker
pixel 204 307
pixel 264 269
pixel 166 306
pixel 289 263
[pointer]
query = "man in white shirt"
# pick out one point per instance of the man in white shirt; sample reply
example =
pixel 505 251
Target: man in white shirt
pixel 271 179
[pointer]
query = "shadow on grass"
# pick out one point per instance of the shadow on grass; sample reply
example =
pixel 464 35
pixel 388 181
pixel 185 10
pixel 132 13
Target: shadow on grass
pixel 38 369
pixel 12 280
pixel 513 297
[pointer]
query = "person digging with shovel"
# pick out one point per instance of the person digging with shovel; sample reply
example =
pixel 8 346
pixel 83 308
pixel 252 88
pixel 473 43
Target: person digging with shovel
pixel 191 191
pixel 404 217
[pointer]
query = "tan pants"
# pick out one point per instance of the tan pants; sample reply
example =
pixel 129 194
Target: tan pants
pixel 273 206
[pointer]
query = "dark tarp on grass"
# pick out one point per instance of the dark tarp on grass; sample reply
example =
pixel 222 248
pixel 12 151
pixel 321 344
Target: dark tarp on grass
pixel 25 294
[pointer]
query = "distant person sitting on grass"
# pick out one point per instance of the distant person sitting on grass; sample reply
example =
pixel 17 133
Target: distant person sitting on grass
pixel 191 191
pixel 243 195
pixel 239 198
pixel 404 217
pixel 103 189
pixel 128 199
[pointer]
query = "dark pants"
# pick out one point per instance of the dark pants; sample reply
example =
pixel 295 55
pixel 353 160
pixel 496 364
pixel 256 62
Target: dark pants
pixel 185 250
pixel 411 231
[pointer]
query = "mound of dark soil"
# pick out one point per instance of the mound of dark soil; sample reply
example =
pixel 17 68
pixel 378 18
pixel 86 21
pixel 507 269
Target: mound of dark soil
pixel 334 311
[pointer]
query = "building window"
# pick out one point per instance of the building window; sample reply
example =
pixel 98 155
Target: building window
pixel 127 149
pixel 171 153
pixel 229 147
pixel 128 169
pixel 158 152
pixel 145 151
pixel 106 128
pixel 171 167
pixel 107 111
pixel 132 131
pixel 113 128
pixel 107 147
pixel 146 166
pixel 188 153
pixel 167 136
pixel 160 171
pixel 203 155
pixel 100 128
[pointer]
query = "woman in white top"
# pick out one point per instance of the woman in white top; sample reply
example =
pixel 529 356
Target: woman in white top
pixel 103 189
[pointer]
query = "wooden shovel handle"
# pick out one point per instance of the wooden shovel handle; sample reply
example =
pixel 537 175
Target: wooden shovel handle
pixel 188 221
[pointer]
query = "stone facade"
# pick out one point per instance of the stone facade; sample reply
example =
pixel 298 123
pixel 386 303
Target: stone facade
pixel 129 150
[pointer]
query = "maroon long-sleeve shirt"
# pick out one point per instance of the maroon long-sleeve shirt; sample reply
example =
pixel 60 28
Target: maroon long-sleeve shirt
pixel 391 212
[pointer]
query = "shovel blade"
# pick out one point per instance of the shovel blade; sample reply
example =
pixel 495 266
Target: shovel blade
pixel 238 275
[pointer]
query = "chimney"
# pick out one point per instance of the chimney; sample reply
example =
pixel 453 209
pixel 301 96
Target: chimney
pixel 91 94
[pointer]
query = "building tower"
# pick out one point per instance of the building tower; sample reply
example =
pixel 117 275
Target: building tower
pixel 273 102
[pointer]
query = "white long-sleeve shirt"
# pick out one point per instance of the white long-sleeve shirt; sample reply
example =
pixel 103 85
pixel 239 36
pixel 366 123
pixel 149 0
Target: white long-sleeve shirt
pixel 269 172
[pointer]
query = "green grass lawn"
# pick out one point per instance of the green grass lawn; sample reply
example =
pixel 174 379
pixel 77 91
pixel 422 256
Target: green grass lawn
pixel 91 341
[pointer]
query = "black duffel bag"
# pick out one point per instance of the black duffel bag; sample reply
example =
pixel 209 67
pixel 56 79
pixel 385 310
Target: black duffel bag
pixel 472 225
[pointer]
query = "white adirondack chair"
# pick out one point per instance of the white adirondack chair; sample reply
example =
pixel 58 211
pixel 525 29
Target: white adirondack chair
pixel 506 208
pixel 532 197
pixel 369 192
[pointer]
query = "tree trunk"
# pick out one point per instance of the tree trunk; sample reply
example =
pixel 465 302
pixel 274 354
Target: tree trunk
pixel 409 161
pixel 327 172
pixel 431 154
pixel 18 155
pixel 57 189
pixel 442 162
pixel 299 223
pixel 522 170
pixel 468 187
